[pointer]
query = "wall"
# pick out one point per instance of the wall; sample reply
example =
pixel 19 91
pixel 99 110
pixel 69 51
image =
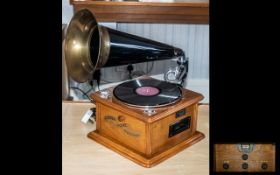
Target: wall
pixel 67 11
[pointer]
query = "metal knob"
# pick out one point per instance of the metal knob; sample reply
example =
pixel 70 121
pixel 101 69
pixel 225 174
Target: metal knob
pixel 226 166
pixel 264 166
pixel 245 165
pixel 245 156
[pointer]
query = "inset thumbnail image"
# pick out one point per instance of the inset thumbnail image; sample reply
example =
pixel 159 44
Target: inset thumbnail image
pixel 244 157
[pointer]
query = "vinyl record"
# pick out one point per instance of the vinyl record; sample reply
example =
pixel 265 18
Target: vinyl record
pixel 147 93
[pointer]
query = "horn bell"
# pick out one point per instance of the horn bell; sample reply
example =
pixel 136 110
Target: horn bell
pixel 77 42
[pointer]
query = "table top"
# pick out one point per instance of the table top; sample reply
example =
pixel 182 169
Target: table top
pixel 83 156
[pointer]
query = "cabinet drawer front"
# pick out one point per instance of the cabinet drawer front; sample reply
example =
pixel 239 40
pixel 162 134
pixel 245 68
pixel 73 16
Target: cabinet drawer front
pixel 173 129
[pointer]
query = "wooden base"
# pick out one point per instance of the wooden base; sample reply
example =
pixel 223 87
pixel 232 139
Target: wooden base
pixel 140 158
pixel 144 137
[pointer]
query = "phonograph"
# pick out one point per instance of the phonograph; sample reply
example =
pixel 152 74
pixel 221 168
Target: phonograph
pixel 144 119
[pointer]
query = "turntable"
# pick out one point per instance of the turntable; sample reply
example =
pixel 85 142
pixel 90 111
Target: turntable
pixel 146 120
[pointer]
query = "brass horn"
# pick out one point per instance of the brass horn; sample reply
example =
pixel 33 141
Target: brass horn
pixel 89 47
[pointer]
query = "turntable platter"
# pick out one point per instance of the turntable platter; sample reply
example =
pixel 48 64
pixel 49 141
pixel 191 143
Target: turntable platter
pixel 147 93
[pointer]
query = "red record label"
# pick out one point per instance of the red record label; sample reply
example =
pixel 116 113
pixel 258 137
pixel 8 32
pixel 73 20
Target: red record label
pixel 147 91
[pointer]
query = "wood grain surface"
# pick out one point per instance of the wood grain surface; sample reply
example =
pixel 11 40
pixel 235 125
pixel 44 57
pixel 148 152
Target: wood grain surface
pixel 178 11
pixel 229 154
